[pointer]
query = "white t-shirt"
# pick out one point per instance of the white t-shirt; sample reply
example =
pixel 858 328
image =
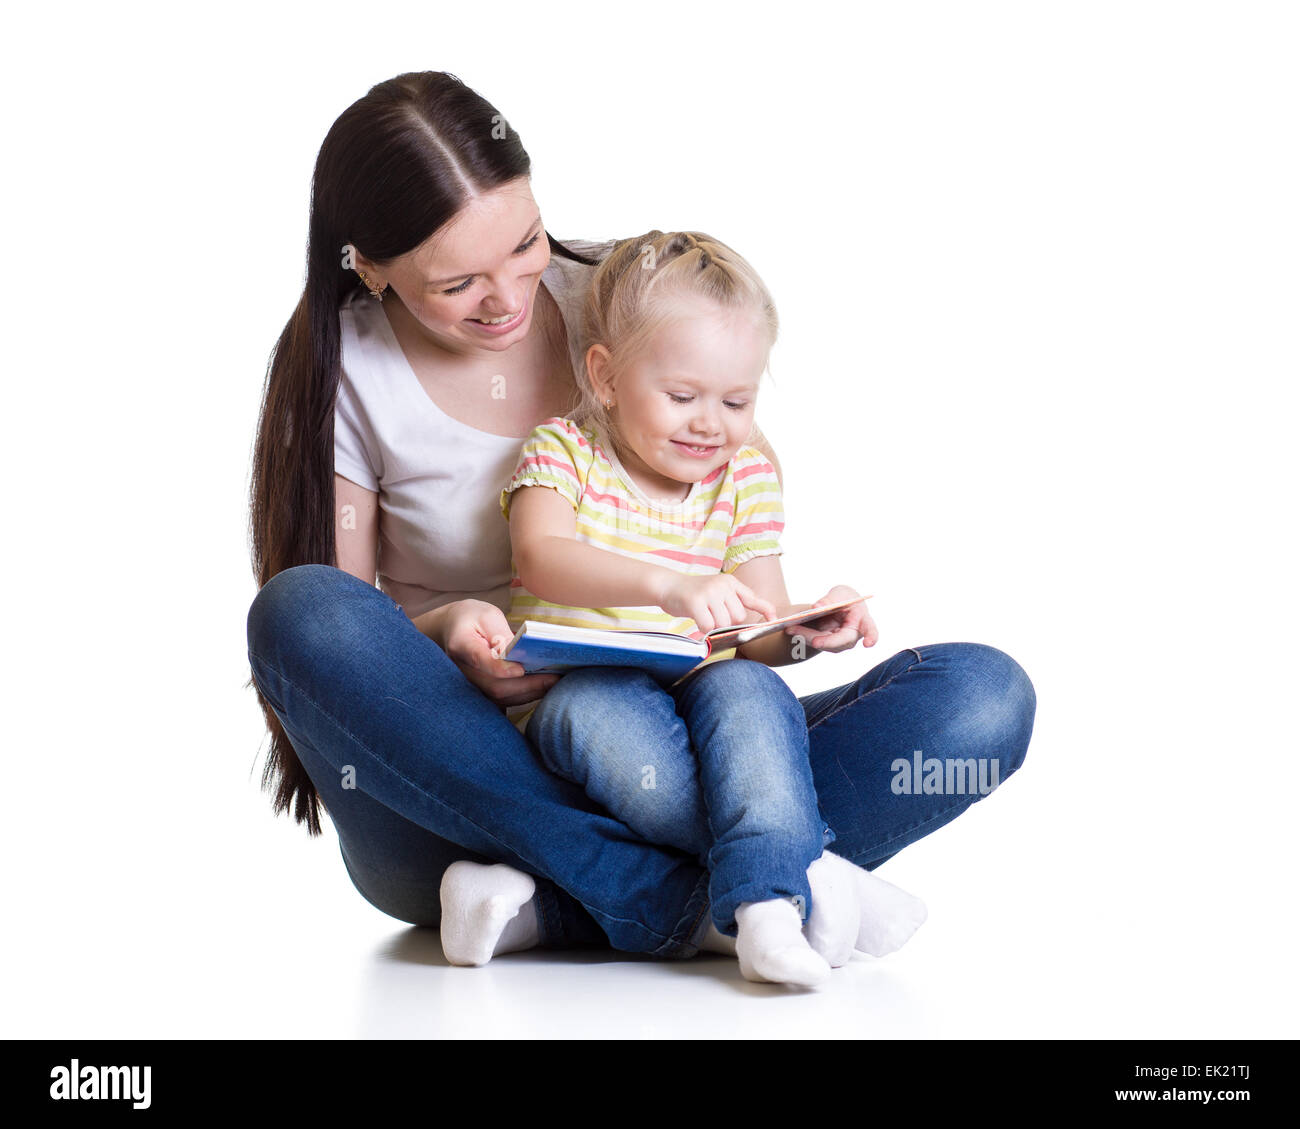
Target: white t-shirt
pixel 441 534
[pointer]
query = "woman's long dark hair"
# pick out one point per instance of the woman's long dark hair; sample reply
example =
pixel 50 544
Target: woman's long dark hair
pixel 396 165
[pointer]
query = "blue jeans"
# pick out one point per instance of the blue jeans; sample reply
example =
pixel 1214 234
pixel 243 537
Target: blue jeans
pixel 716 766
pixel 418 769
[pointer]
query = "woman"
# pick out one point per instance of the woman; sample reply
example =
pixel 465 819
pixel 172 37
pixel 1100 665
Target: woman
pixel 434 332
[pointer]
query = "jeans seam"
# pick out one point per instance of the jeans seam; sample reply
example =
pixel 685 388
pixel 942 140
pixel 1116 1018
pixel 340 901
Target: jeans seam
pixel 441 803
pixel 862 697
pixel 684 948
pixel 939 815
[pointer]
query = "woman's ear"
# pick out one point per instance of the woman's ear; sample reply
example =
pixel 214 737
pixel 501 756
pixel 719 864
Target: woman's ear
pixel 600 374
pixel 362 265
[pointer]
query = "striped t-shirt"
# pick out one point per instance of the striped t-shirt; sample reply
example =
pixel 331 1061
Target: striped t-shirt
pixel 729 517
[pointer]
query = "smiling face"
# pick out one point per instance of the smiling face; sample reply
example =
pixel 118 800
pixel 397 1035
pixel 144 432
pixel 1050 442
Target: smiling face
pixel 684 404
pixel 470 287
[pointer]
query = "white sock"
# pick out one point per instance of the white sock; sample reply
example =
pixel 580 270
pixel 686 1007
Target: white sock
pixel 771 946
pixel 832 925
pixel 486 910
pixel 887 916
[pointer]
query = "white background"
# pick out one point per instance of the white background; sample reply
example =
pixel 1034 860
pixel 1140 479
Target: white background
pixel 1037 270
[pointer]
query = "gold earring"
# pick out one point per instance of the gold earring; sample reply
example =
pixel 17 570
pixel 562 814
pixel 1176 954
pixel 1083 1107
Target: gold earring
pixel 374 292
pixel 609 403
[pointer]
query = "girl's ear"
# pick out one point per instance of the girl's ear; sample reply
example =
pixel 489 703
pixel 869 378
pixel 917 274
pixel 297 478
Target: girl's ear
pixel 599 372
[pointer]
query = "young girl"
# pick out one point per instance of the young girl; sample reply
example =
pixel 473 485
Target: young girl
pixel 650 510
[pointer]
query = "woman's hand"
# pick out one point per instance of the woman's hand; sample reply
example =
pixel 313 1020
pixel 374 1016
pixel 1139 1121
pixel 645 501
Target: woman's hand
pixel 842 629
pixel 471 633
pixel 717 600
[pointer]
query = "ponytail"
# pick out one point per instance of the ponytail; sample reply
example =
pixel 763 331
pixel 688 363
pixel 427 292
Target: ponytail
pixel 394 168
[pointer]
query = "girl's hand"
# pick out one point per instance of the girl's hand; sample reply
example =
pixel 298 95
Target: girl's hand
pixel 718 600
pixel 840 630
pixel 473 632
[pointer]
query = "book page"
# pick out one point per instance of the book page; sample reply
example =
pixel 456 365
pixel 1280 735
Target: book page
pixel 724 637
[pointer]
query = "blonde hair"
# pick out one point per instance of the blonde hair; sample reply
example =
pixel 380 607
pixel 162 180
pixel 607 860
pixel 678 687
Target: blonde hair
pixel 629 300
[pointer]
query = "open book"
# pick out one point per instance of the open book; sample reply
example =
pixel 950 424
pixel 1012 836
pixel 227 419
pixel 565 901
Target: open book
pixel 552 647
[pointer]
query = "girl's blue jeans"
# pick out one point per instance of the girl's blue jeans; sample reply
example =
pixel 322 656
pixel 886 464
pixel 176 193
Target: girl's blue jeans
pixel 716 766
pixel 418 769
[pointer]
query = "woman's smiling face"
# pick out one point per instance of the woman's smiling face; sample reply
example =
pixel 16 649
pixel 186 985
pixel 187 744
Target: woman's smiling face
pixel 472 284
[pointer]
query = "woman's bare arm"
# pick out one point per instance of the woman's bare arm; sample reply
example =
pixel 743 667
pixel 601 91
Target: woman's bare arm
pixel 356 529
pixel 356 545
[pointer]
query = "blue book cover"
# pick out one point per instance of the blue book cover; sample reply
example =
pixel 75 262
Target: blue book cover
pixel 538 655
pixel 552 648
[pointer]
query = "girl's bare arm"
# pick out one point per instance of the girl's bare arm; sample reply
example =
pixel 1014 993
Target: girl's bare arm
pixel 553 564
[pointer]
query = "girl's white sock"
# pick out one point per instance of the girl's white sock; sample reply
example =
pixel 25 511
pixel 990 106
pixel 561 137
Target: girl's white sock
pixel 887 916
pixel 832 925
pixel 771 946
pixel 486 911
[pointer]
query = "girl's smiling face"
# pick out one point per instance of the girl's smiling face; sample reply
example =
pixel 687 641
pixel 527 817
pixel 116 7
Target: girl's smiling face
pixel 471 285
pixel 684 405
